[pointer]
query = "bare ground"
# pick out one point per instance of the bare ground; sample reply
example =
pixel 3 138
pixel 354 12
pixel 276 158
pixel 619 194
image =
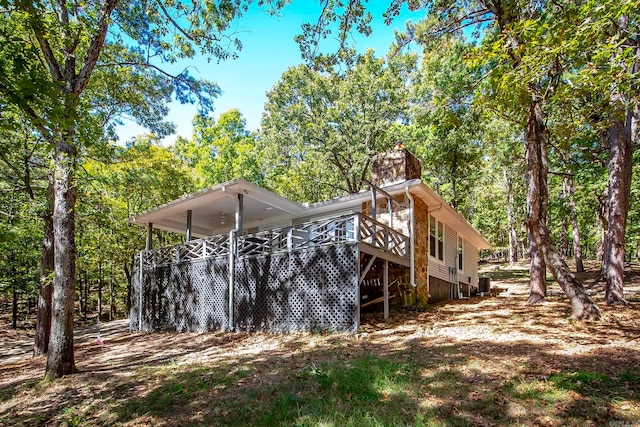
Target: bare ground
pixel 483 361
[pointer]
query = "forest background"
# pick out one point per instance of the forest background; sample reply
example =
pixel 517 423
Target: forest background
pixel 494 85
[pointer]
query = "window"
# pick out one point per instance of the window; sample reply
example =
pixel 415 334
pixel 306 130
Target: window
pixel 460 254
pixel 432 236
pixel 436 238
pixel 440 241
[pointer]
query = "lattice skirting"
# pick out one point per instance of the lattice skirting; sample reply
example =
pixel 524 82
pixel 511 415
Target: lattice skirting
pixel 302 290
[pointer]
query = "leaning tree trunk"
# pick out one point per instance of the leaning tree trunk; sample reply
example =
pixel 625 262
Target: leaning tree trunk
pixel 583 307
pixel 619 191
pixel 60 358
pixel 43 325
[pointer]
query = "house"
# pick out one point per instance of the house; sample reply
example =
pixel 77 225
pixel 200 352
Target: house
pixel 253 260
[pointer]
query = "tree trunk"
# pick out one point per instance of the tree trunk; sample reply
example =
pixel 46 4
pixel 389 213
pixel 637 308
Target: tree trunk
pixel 603 215
pixel 537 201
pixel 86 294
pixel 583 307
pixel 14 304
pixel 43 325
pixel 112 307
pixel 564 244
pixel 513 237
pixel 99 291
pixel 81 290
pixel 622 132
pixel 575 232
pixel 537 273
pixel 128 272
pixel 620 164
pixel 60 358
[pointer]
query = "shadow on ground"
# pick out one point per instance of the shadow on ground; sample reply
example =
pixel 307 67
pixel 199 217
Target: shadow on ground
pixel 490 361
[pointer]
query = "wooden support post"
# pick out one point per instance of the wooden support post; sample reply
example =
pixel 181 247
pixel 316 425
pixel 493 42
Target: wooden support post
pixel 189 218
pixel 149 244
pixel 386 289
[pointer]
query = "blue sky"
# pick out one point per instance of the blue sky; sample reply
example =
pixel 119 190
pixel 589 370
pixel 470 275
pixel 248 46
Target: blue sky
pixel 268 50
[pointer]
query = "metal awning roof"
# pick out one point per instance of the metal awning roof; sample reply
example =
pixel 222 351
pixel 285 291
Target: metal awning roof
pixel 213 210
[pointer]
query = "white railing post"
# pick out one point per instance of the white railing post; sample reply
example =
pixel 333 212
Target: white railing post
pixel 356 227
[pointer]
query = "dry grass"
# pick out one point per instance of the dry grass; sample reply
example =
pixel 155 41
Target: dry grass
pixel 484 361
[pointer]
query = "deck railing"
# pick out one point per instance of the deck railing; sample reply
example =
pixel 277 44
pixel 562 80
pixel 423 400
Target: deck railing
pixel 343 229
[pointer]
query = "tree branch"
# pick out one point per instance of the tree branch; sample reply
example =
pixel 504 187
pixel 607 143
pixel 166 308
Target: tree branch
pixel 35 119
pixel 36 26
pixel 95 47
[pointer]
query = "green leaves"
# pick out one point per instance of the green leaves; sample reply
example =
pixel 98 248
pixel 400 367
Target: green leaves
pixel 220 151
pixel 319 130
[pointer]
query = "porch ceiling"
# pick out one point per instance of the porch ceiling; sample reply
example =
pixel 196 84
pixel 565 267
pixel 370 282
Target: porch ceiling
pixel 213 210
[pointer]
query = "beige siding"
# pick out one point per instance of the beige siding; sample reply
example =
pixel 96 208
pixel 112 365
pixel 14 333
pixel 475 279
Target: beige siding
pixel 469 260
pixel 450 247
pixel 470 263
pixel 441 269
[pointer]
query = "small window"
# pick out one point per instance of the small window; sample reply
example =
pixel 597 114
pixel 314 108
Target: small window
pixel 436 238
pixel 460 253
pixel 440 241
pixel 432 236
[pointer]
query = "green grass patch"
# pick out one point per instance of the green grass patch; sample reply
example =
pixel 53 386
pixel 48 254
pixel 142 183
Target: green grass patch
pixel 584 382
pixel 71 416
pixel 540 392
pixel 367 391
pixel 631 378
